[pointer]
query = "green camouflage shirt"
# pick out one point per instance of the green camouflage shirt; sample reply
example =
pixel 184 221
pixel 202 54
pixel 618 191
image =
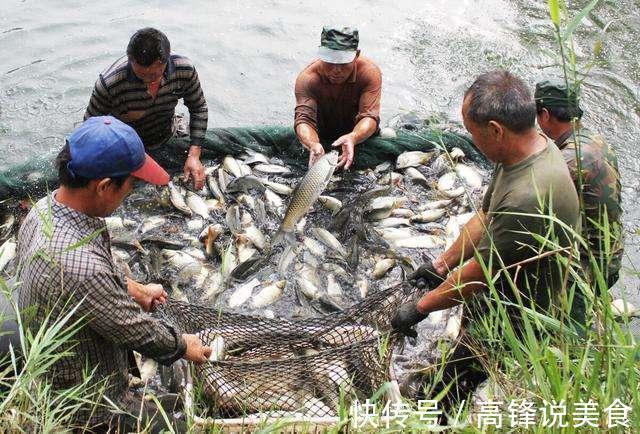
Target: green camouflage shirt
pixel 601 196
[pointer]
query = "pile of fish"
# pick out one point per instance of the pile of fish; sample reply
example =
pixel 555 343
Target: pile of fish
pixel 277 241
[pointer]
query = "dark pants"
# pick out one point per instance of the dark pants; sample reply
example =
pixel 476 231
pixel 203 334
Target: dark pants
pixel 140 414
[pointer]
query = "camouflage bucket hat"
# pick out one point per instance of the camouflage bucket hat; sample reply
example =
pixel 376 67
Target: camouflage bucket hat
pixel 555 93
pixel 338 45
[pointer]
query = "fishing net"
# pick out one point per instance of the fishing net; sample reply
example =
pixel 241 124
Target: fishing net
pixel 305 367
pixel 34 177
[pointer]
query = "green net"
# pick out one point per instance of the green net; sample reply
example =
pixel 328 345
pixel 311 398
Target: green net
pixel 34 177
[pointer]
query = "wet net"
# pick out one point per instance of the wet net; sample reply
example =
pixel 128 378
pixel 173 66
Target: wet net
pixel 308 367
pixel 34 177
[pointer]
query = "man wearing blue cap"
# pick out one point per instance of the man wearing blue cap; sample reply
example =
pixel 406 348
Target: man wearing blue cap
pixel 65 262
pixel 337 97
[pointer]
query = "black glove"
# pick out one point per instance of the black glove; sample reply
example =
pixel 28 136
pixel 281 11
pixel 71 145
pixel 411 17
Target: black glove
pixel 425 275
pixel 406 317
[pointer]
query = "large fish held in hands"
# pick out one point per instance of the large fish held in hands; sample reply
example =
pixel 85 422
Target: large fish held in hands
pixel 307 192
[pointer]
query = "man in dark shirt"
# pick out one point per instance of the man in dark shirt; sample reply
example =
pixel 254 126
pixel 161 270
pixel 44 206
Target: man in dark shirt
pixel 337 97
pixel 143 89
pixel 64 256
pixel 596 176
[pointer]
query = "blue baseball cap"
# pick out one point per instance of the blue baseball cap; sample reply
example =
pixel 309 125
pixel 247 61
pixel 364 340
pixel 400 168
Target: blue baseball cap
pixel 105 147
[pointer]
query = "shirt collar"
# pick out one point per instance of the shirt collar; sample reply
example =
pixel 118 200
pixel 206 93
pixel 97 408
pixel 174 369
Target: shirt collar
pixel 82 221
pixel 131 76
pixel 561 141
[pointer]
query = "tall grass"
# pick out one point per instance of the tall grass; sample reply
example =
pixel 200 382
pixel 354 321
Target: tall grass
pixel 28 403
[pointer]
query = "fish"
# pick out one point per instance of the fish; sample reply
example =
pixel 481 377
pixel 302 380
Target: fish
pixel 215 188
pixel 223 179
pixel 469 175
pixel 430 215
pixel 274 201
pixel 307 287
pixel 331 203
pixel 253 157
pixel 115 223
pixel 307 191
pixel 197 205
pixel 233 219
pixel 382 266
pixel 447 181
pixel 235 167
pixel 242 293
pixel 248 201
pixel 381 207
pixel 7 252
pixel 195 224
pixel 392 234
pixel 435 204
pixel 214 205
pixel 456 154
pixel 334 290
pixel 277 187
pixel 623 308
pixel 314 247
pixel 419 242
pixel 388 133
pixel 391 222
pixel 178 258
pixel 363 287
pixel 229 261
pixel 415 175
pixel 244 184
pixel 455 192
pixel 177 199
pixel 286 258
pixel 272 169
pixel 329 240
pixel 151 223
pixel 402 212
pixel 255 236
pixel 382 167
pixel 268 295
pixel 208 236
pixel 413 159
pixel 212 287
pixel 391 178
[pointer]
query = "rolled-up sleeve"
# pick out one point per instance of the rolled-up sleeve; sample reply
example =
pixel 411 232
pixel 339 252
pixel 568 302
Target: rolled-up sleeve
pixel 306 103
pixel 369 103
pixel 114 315
pixel 198 111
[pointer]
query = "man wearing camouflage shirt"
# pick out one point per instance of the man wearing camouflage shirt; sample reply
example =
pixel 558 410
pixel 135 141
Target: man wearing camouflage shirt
pixel 558 112
pixel 64 252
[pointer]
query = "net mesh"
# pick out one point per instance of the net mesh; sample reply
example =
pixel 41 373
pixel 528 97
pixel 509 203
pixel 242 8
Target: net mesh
pixel 35 176
pixel 308 367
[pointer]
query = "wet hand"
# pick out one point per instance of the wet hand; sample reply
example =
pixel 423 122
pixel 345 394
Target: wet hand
pixel 426 275
pixel 406 317
pixel 193 169
pixel 316 151
pixel 147 296
pixel 196 352
pixel 348 144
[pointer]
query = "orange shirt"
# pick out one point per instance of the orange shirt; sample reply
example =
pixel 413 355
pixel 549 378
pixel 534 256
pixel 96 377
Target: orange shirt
pixel 334 109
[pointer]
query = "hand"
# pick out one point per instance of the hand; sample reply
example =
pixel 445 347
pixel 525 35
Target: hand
pixel 193 169
pixel 316 151
pixel 406 317
pixel 426 275
pixel 348 144
pixel 196 352
pixel 147 296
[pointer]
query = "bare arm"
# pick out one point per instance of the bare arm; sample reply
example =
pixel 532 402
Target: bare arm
pixel 459 285
pixel 463 247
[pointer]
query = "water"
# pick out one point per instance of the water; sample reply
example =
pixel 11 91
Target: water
pixel 248 54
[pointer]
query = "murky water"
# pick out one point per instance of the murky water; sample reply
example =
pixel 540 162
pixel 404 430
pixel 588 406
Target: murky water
pixel 249 52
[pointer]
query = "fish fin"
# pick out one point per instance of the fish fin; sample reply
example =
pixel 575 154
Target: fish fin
pixel 283 237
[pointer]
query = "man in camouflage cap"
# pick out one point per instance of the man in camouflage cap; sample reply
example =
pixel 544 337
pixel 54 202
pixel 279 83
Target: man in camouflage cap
pixel 559 117
pixel 337 97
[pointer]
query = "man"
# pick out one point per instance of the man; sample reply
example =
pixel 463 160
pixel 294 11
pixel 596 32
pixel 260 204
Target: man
pixel 143 90
pixel 65 262
pixel 530 179
pixel 599 180
pixel 337 97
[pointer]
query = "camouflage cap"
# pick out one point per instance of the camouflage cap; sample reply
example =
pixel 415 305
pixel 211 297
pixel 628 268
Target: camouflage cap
pixel 338 45
pixel 555 93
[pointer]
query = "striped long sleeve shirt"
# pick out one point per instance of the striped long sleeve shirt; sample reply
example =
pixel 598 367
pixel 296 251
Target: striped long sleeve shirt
pixel 120 93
